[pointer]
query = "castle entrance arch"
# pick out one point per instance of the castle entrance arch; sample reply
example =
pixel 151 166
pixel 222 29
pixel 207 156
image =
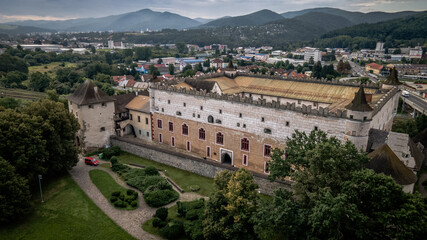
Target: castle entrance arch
pixel 227 156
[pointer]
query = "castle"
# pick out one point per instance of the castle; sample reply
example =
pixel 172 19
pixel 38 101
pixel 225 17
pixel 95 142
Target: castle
pixel 235 118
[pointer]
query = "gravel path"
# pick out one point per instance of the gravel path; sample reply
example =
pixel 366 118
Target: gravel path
pixel 130 221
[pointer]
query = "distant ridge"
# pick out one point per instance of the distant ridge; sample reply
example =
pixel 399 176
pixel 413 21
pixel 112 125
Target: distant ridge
pixel 253 19
pixel 14 29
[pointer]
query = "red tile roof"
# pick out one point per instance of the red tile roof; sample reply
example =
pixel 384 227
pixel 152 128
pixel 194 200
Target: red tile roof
pixel 375 66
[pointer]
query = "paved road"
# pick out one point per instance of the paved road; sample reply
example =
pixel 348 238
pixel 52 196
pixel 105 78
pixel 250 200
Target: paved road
pixel 130 221
pixel 360 71
pixel 418 101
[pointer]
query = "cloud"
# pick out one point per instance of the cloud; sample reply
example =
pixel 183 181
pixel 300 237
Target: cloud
pixel 30 17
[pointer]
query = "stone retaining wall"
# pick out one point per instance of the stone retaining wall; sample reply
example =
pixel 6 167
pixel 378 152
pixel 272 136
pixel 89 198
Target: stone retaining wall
pixel 189 163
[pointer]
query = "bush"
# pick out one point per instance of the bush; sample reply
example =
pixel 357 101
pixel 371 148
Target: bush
pixel 162 213
pixel 151 171
pixel 173 230
pixel 120 168
pixel 158 198
pixel 116 193
pixel 151 181
pixel 184 207
pixel 129 199
pixel 113 199
pixel 122 196
pixel 110 152
pixel 114 160
pixel 156 222
pixel 134 203
pixel 120 204
pixel 163 185
pixel 194 214
pixel 130 192
pixel 194 229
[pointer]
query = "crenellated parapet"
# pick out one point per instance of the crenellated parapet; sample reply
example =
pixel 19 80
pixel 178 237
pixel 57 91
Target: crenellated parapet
pixel 384 99
pixel 236 98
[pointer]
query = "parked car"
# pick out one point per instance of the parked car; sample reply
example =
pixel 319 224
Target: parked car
pixel 405 94
pixel 91 161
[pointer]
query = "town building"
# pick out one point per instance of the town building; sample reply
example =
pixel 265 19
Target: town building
pixel 246 116
pixel 315 54
pixel 139 124
pixel 375 68
pixel 116 45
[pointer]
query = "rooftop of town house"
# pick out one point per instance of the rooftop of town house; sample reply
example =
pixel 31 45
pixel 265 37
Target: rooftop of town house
pixel 140 104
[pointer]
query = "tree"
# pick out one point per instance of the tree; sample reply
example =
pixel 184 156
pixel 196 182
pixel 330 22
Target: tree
pixel 9 102
pixel 108 58
pixel 143 53
pixel 230 208
pixel 13 79
pixel 58 130
pixel 39 81
pixel 14 193
pixel 408 126
pixel 154 71
pixel 104 78
pixel 10 63
pixel 171 69
pixel 182 47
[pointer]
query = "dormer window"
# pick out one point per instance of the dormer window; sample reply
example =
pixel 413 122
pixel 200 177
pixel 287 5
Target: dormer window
pixel 90 106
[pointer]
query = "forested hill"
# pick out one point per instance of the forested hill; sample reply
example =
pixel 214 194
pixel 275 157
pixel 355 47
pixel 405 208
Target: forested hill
pixel 409 31
pixel 13 29
pixel 326 21
pixel 253 19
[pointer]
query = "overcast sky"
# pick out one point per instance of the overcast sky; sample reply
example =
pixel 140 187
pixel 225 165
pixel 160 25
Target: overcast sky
pixel 12 10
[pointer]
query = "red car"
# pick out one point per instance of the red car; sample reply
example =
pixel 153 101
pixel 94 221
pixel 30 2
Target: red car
pixel 91 161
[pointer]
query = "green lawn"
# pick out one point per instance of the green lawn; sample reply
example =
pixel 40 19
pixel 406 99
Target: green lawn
pixel 172 214
pixel 68 213
pixel 181 177
pixel 107 185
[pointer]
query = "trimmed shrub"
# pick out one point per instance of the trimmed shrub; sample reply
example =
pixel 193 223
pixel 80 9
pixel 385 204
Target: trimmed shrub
pixel 152 181
pixel 173 230
pixel 112 151
pixel 122 196
pixel 120 204
pixel 184 207
pixel 194 214
pixel 158 198
pixel 113 199
pixel 129 199
pixel 156 222
pixel 120 168
pixel 114 160
pixel 163 185
pixel 162 213
pixel 116 193
pixel 151 171
pixel 130 192
pixel 134 203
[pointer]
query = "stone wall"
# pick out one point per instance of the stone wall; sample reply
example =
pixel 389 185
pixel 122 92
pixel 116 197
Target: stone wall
pixel 189 163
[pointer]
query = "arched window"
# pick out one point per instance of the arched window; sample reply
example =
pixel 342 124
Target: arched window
pixel 210 119
pixel 202 134
pixel 244 144
pixel 219 138
pixel 184 129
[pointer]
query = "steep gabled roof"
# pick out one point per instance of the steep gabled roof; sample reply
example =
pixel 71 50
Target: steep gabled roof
pixel 383 160
pixel 392 78
pixel 359 102
pixel 376 139
pixel 88 93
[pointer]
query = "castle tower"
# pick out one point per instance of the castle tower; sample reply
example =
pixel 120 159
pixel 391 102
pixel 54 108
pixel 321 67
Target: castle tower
pixel 359 115
pixel 392 80
pixel 94 110
pixel 230 71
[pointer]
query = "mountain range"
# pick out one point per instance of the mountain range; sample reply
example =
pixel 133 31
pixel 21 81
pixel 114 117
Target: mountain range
pixel 326 18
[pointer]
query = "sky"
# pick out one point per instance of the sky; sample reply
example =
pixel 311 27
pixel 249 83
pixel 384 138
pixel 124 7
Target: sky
pixel 16 10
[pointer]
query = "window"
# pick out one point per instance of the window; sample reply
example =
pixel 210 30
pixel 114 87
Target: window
pixel 218 121
pixel 210 119
pixel 244 145
pixel 171 126
pixel 267 167
pixel 267 150
pixel 198 115
pixel 139 118
pixel 201 108
pixel 245 160
pixel 146 121
pixel 220 111
pixel 160 137
pixel 184 129
pixel 139 132
pixel 364 118
pixel 90 106
pixel 102 129
pixel 194 115
pixel 315 104
pixel 262 119
pixel 188 146
pixel 131 117
pixel 178 113
pixel 148 134
pixel 104 104
pixel 287 124
pixel 208 151
pixel 169 101
pixel 172 141
pixel 244 125
pixel 240 115
pixel 185 104
pixel 202 134
pixel 163 110
pixel 299 101
pixel 316 128
pixel 219 138
pixel 238 124
pixel 351 116
pixel 159 124
pixel 353 133
pixel 267 130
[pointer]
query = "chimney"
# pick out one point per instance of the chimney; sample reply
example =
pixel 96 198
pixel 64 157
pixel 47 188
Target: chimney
pixel 368 97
